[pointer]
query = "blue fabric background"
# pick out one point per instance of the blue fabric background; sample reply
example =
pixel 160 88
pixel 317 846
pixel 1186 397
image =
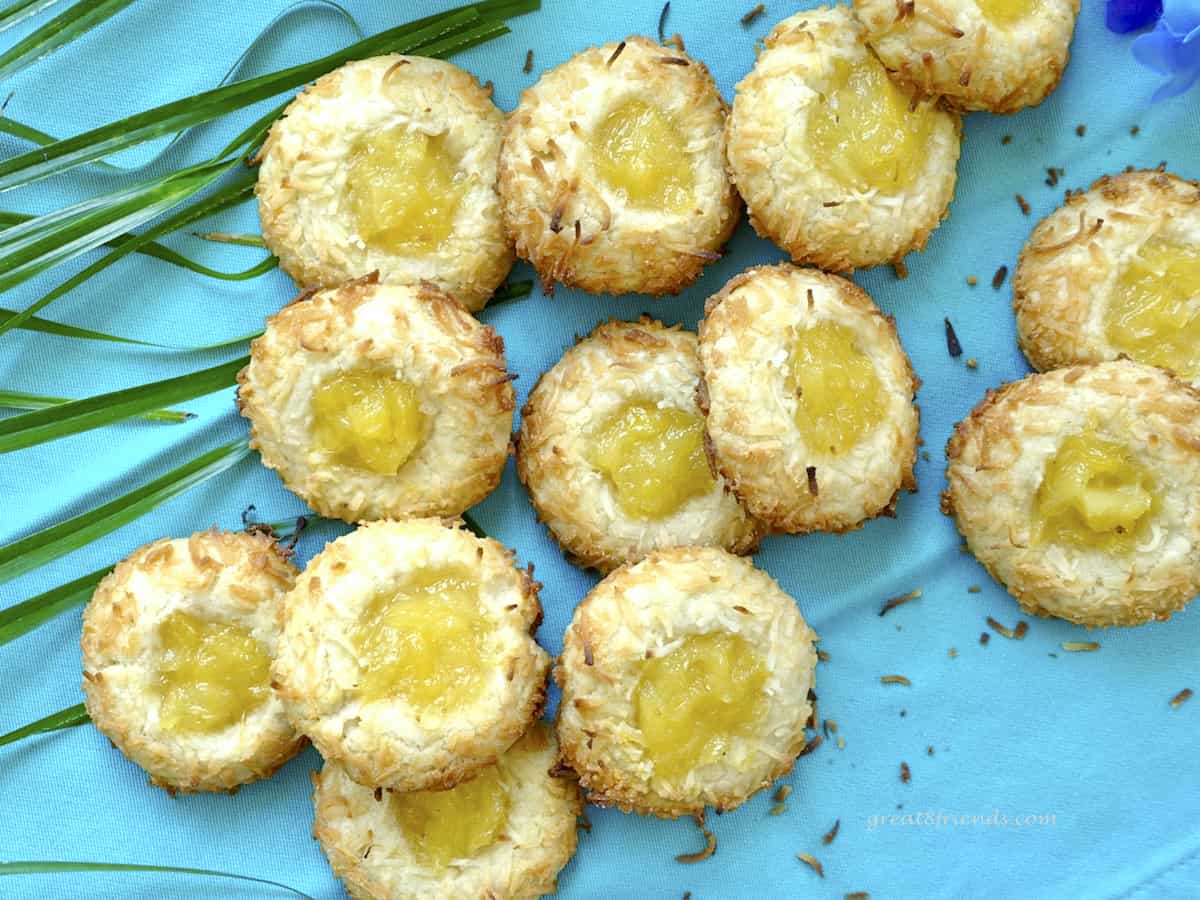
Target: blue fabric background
pixel 1017 727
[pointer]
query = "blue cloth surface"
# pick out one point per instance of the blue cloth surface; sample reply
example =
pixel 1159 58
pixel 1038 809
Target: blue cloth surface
pixel 1010 729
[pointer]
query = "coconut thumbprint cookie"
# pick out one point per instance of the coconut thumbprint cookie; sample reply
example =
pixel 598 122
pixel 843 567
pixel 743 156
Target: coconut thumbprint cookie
pixel 1079 490
pixel 388 165
pixel 995 55
pixel 407 654
pixel 380 401
pixel 1115 271
pixel 810 399
pixel 613 171
pixel 685 682
pixel 612 450
pixel 504 835
pixel 838 165
pixel 177 647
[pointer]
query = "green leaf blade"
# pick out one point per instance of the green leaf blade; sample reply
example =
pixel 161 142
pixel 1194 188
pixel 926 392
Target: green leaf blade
pixel 18 12
pixel 35 550
pixel 46 326
pixel 74 416
pixel 49 867
pixel 22 618
pixel 32 247
pixel 62 29
pixel 66 718
pixel 198 179
pixel 23 400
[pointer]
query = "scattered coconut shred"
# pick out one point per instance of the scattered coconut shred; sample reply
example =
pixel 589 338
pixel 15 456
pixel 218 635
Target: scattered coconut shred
pixel 813 863
pixel 780 798
pixel 900 601
pixel 1016 634
pixel 832 832
pixel 710 839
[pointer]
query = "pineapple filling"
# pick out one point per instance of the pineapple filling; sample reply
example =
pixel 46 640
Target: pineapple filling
pixel 640 151
pixel 210 674
pixel 368 420
pixel 1094 493
pixel 403 190
pixel 839 399
pixel 692 703
pixel 1154 313
pixel 424 642
pixel 442 826
pixel 654 458
pixel 863 132
pixel 1005 12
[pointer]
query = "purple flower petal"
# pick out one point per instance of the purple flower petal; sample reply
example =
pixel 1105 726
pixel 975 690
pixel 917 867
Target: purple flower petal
pixel 1179 84
pixel 1159 51
pixel 1123 16
pixel 1180 17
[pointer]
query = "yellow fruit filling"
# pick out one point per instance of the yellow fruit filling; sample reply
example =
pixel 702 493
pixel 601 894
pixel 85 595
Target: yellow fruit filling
pixel 1154 313
pixel 425 642
pixel 442 826
pixel 863 132
pixel 1094 493
pixel 654 458
pixel 403 190
pixel 210 674
pixel 839 398
pixel 1005 12
pixel 692 703
pixel 640 151
pixel 368 420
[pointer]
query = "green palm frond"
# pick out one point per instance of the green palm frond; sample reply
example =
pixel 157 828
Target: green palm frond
pixel 18 12
pixel 11 126
pixel 116 216
pixel 21 618
pixel 46 326
pixel 55 867
pixel 224 237
pixel 74 416
pixel 65 718
pixel 28 553
pixel 434 35
pixel 22 400
pixel 31 247
pixel 61 30
pixel 166 254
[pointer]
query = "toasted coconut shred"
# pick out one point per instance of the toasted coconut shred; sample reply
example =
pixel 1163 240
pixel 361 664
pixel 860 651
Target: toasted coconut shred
pixel 710 843
pixel 812 862
pixel 832 832
pixel 899 601
pixel 1181 698
pixel 895 679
